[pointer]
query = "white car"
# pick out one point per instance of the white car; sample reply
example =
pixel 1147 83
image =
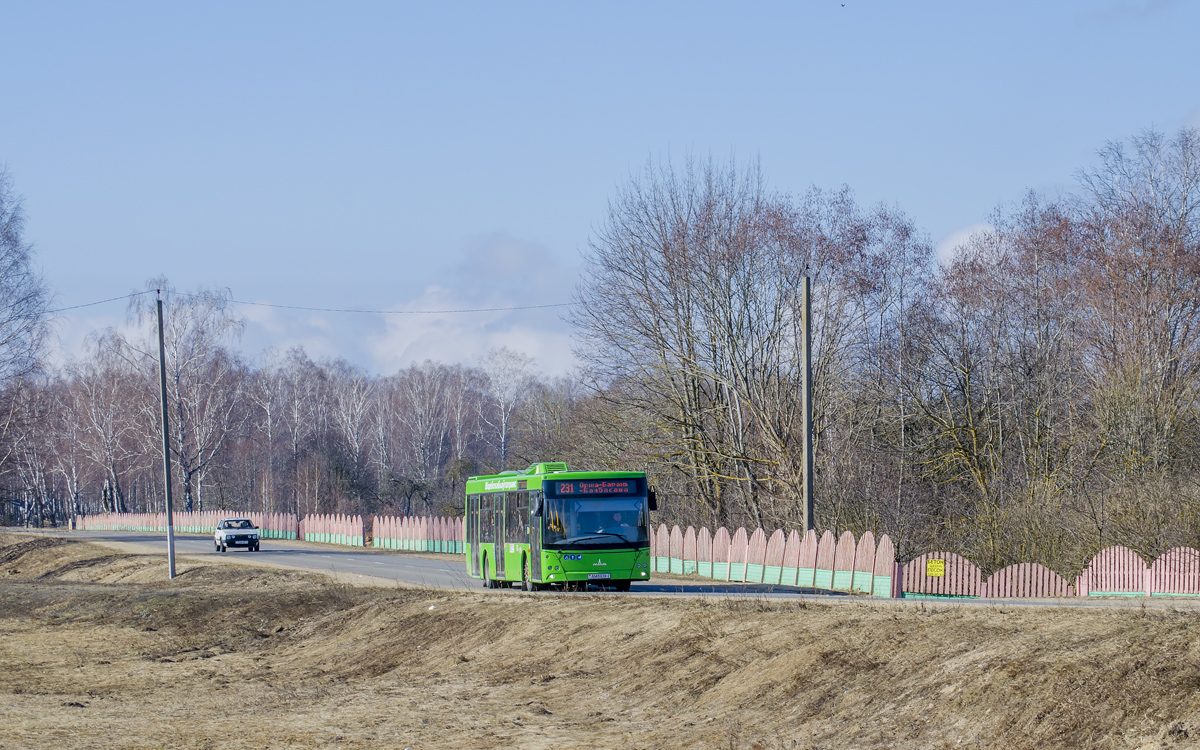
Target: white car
pixel 236 532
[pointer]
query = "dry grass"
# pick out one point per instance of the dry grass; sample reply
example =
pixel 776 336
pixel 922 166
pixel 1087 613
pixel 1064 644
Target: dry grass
pixel 98 650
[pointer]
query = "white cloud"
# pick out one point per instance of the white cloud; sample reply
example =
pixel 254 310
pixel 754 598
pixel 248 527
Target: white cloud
pixel 466 337
pixel 946 248
pixel 72 337
pixel 499 255
pixel 493 271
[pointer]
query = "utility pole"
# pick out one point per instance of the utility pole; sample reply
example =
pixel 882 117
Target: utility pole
pixel 166 433
pixel 806 304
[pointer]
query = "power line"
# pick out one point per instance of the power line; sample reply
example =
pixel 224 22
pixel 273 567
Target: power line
pixel 101 302
pixel 400 312
pixel 328 309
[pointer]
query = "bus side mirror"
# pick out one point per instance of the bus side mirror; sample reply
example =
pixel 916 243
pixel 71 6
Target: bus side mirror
pixel 535 508
pixel 652 500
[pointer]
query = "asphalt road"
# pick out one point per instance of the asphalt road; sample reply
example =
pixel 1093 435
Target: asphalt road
pixel 449 571
pixel 443 571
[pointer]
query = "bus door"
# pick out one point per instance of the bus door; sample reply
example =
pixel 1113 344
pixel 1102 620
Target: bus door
pixel 498 514
pixel 473 532
pixel 535 539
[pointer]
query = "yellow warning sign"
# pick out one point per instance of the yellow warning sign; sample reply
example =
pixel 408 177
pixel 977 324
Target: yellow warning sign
pixel 935 568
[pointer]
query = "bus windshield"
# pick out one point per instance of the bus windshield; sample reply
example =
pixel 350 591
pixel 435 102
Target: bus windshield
pixel 606 521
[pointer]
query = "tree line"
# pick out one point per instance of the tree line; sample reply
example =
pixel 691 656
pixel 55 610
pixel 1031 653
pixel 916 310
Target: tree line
pixel 1034 397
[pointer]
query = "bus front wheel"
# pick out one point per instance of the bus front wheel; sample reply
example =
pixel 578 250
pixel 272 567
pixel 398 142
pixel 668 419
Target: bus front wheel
pixel 487 576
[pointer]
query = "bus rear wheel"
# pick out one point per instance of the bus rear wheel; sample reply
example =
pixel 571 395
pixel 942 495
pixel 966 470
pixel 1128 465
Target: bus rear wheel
pixel 526 583
pixel 487 576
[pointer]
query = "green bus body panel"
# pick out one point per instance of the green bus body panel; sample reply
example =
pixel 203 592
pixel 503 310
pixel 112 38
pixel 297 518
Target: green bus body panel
pixel 620 564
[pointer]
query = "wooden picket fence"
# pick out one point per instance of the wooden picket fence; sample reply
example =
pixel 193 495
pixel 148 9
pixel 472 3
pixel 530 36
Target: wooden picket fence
pixel 792 559
pixel 333 529
pixel 418 533
pixel 826 562
pixel 271 525
pixel 867 566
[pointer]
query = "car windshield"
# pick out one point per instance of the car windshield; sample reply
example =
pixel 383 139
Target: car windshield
pixel 595 521
pixel 236 525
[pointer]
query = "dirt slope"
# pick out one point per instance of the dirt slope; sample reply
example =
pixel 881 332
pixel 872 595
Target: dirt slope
pixel 98 650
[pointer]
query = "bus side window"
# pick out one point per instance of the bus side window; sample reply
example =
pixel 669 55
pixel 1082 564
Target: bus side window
pixel 516 517
pixel 486 526
pixel 523 517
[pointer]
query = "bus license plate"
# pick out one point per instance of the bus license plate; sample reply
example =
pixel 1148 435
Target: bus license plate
pixel 597 576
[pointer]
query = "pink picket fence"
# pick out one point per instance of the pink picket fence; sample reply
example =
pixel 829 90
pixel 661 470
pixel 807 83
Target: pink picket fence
pixel 826 562
pixel 418 533
pixel 333 529
pixel 271 525
pixel 866 566
pixel 792 559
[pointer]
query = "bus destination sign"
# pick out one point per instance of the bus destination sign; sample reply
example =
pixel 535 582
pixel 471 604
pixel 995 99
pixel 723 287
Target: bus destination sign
pixel 597 487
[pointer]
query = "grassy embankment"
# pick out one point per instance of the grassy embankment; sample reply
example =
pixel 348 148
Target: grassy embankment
pixel 98 650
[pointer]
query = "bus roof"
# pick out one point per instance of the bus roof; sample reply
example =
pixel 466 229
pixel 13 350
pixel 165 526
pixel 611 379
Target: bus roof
pixel 531 478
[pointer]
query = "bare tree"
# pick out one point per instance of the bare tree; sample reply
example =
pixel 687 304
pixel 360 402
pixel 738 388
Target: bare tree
pixel 297 381
pixel 205 381
pixel 109 402
pixel 509 377
pixel 23 296
pixel 351 393
pixel 23 311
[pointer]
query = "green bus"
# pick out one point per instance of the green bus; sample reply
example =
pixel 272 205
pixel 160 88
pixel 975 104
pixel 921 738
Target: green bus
pixel 549 526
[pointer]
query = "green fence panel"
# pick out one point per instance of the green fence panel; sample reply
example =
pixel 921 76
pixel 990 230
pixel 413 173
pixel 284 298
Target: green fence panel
pixel 773 574
pixel 911 595
pixel 882 587
pixel 842 579
pixel 823 579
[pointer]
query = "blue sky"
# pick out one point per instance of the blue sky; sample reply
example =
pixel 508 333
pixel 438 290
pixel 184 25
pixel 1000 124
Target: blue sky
pixel 446 155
